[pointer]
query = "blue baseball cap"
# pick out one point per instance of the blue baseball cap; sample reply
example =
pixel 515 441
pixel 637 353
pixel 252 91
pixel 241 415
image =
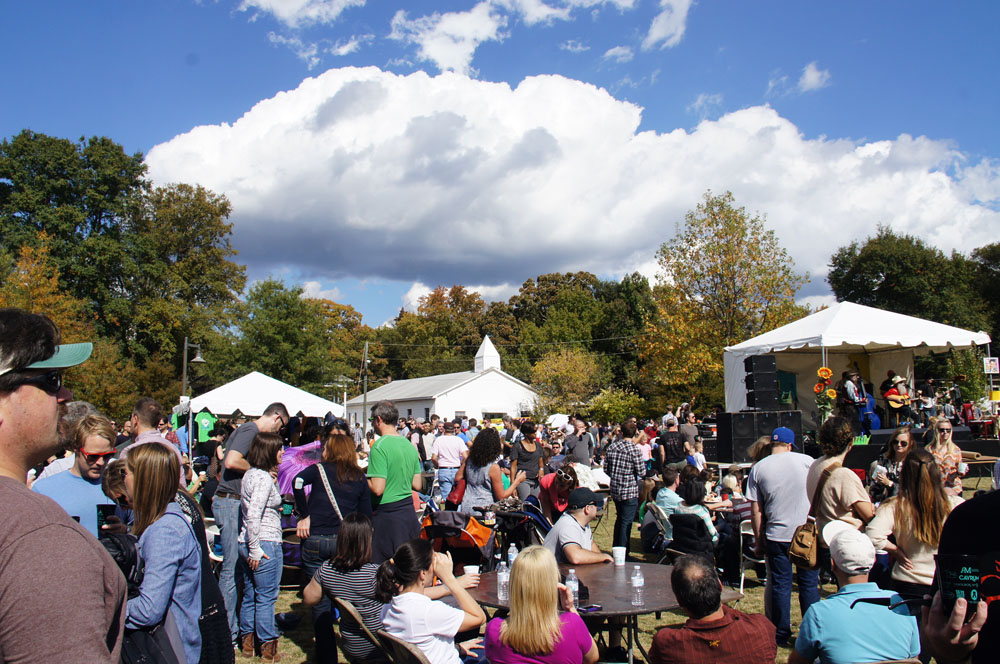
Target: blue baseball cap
pixel 784 435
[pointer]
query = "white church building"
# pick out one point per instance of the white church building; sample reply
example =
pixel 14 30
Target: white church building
pixel 486 392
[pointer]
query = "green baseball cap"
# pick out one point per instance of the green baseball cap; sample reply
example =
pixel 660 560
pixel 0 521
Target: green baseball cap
pixel 66 355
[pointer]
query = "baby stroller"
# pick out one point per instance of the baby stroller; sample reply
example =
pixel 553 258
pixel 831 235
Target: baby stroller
pixel 469 541
pixel 523 527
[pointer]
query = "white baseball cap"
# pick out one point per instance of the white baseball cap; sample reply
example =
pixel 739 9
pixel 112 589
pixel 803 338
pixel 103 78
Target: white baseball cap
pixel 851 550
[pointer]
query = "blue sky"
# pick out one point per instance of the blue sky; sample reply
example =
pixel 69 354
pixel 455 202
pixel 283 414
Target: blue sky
pixel 375 149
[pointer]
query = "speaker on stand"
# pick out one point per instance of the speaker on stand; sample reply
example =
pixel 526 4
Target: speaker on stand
pixel 761 382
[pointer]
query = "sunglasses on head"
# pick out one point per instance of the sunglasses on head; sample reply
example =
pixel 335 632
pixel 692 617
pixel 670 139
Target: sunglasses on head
pixel 563 475
pixel 50 381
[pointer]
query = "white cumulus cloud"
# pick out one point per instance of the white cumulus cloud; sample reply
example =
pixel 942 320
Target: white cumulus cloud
pixel 314 289
pixel 450 40
pixel 667 28
pixel 813 78
pixel 351 45
pixel 574 46
pixel 411 298
pixel 361 173
pixel 296 13
pixel 619 54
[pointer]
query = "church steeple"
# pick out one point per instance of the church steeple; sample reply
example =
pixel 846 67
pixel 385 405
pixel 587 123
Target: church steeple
pixel 487 356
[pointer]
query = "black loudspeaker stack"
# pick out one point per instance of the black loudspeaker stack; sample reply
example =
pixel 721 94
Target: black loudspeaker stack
pixel 736 432
pixel 761 382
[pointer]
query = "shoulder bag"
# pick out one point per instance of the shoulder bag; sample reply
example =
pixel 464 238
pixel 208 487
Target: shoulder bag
pixel 803 550
pixel 329 491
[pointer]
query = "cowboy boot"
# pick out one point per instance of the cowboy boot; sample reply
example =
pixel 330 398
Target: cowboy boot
pixel 246 644
pixel 269 651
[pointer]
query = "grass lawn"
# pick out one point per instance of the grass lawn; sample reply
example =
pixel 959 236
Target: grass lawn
pixel 297 645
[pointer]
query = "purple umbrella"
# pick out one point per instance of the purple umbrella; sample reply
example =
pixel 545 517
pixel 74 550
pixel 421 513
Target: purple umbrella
pixel 294 461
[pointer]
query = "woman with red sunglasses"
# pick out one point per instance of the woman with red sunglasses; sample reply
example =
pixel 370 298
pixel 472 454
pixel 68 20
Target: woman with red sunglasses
pixel 78 490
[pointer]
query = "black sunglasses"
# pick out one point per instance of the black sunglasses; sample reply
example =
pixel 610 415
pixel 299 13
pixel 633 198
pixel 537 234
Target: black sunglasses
pixel 50 381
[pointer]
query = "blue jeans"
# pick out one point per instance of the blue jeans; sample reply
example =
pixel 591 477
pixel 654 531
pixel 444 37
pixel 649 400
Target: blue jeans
pixel 260 591
pixel 316 550
pixel 227 517
pixel 780 570
pixel 625 511
pixel 446 480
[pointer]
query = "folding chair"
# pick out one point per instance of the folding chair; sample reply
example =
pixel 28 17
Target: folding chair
pixel 349 613
pixel 661 519
pixel 402 651
pixel 746 531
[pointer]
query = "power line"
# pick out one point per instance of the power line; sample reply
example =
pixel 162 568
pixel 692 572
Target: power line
pixel 459 360
pixel 526 343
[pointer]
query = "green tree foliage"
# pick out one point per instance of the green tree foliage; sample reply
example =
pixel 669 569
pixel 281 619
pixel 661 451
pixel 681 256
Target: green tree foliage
pixel 987 284
pixel 724 279
pixel 613 404
pixel 901 273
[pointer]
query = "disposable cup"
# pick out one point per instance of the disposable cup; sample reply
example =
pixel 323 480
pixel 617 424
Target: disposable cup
pixel 619 554
pixel 471 569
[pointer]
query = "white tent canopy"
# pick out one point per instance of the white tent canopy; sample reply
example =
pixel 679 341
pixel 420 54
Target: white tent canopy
pixel 841 336
pixel 254 392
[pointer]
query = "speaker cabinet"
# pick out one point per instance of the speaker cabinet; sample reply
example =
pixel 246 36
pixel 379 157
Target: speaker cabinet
pixel 767 422
pixel 738 431
pixel 760 364
pixel 763 399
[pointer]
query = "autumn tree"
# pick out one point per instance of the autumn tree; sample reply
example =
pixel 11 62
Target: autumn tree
pixel 724 278
pixel 565 380
pixel 613 404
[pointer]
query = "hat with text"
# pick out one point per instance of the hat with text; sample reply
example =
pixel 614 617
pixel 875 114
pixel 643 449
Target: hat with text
pixel 784 435
pixel 851 550
pixel 581 497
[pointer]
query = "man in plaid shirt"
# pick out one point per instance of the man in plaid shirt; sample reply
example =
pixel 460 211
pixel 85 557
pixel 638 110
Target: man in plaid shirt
pixel 625 468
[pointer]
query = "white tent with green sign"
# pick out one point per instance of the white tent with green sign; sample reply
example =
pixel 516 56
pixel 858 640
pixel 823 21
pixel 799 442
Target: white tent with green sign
pixel 845 335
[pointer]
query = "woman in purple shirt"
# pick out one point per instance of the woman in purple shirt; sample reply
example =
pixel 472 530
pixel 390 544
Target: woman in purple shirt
pixel 535 632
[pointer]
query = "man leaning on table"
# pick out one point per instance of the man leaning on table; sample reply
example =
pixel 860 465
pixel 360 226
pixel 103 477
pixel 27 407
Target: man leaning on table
pixel 571 539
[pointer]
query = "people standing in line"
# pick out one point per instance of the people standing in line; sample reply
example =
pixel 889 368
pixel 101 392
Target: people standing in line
pixel 78 489
pixel 625 468
pixel 320 519
pixel 350 575
pixel 394 473
pixel 779 504
pixel 429 624
pixel 535 631
pixel 947 455
pixel 35 529
pixel 171 584
pixel 883 473
pixel 261 556
pixel 914 519
pixel 526 455
pixel 483 476
pixel 226 503
pixel 448 456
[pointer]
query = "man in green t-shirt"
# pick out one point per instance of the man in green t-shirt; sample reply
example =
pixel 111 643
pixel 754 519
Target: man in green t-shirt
pixel 393 475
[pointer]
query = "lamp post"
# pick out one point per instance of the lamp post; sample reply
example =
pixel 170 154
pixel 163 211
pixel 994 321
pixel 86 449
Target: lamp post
pixel 197 359
pixel 342 381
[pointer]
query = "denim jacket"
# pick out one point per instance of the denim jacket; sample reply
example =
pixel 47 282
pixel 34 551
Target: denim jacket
pixel 172 579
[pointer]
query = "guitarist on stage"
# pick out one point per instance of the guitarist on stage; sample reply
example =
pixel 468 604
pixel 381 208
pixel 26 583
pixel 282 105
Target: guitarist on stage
pixel 898 398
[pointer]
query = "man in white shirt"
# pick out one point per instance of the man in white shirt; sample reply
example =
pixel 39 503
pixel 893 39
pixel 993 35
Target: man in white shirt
pixel 449 452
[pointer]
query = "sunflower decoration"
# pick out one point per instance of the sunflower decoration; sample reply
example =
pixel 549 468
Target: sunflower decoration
pixel 825 395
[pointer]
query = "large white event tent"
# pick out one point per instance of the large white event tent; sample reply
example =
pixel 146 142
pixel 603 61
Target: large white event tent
pixel 841 336
pixel 254 392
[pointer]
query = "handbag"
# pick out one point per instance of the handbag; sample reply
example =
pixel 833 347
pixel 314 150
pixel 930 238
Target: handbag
pixel 458 491
pixel 149 645
pixel 803 551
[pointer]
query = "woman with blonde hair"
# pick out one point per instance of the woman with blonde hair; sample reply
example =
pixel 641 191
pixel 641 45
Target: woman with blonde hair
pixel 337 488
pixel 535 631
pixel 914 518
pixel 170 592
pixel 947 455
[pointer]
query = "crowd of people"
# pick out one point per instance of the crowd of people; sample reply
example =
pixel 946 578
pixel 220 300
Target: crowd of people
pixel 102 499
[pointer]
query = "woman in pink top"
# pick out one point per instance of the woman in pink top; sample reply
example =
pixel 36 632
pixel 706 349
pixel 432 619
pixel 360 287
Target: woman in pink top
pixel 535 632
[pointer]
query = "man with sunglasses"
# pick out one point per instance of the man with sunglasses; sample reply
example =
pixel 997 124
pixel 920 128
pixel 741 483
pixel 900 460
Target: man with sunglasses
pixel 78 490
pixel 37 537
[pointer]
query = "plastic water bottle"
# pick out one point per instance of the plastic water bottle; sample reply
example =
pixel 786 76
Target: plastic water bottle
pixel 511 555
pixel 573 584
pixel 637 586
pixel 503 582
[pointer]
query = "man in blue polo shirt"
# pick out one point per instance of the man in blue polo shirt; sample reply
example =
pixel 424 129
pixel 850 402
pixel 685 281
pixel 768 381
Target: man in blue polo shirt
pixel 841 629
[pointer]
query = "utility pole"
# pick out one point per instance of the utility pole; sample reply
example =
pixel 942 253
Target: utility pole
pixel 364 399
